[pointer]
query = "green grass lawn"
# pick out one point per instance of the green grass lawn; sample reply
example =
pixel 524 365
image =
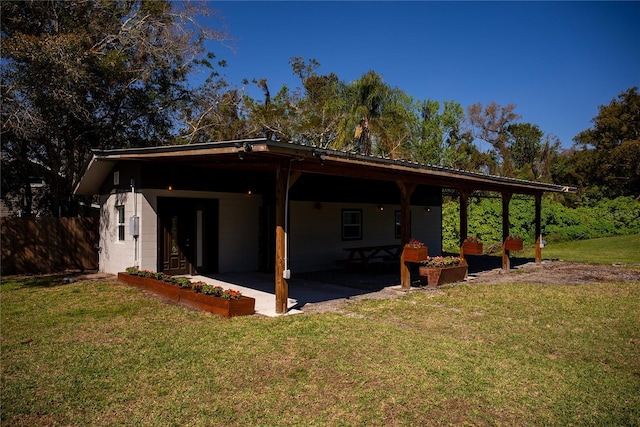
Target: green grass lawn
pixel 91 353
pixel 606 250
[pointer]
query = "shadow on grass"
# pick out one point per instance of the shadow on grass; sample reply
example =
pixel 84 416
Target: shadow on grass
pixel 45 280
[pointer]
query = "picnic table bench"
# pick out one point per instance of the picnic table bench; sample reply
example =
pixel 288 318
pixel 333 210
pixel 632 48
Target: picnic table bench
pixel 364 254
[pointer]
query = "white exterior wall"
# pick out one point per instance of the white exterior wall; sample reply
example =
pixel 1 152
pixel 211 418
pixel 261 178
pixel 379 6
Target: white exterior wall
pixel 426 226
pixel 315 235
pixel 115 255
pixel 238 230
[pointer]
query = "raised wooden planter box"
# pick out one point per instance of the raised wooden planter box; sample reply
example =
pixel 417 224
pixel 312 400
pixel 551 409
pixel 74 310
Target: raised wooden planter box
pixel 513 245
pixel 469 248
pixel 439 276
pixel 216 305
pixel 414 254
pixel 223 307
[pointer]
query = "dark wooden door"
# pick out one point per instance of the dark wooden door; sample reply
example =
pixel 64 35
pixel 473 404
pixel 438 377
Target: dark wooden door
pixel 176 236
pixel 187 236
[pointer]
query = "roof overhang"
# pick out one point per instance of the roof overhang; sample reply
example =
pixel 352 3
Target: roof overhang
pixel 262 154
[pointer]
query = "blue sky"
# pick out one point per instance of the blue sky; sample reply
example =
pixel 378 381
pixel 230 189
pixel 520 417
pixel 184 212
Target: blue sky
pixel 556 61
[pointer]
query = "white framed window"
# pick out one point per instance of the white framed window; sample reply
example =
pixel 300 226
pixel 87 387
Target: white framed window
pixel 352 224
pixel 120 217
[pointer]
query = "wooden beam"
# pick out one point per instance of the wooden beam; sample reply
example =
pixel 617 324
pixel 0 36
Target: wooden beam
pixel 506 199
pixel 282 287
pixel 293 178
pixel 538 226
pixel 351 167
pixel 406 189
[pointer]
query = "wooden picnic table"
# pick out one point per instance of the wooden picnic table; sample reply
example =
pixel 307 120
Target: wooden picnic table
pixel 364 254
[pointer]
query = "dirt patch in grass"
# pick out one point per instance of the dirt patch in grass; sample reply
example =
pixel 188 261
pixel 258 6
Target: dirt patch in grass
pixel 560 273
pixel 385 286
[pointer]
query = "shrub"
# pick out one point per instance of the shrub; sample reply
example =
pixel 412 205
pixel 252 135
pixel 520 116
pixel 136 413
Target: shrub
pixel 559 223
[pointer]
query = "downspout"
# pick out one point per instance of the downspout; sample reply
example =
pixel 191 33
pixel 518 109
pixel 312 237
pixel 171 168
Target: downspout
pixel 286 274
pixel 135 215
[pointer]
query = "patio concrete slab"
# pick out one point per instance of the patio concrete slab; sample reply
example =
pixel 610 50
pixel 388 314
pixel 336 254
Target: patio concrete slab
pixel 261 287
pixel 251 285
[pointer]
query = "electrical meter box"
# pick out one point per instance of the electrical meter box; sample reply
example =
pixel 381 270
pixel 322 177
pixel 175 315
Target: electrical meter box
pixel 134 226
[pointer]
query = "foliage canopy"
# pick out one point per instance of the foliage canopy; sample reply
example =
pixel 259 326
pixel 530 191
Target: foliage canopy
pixel 80 75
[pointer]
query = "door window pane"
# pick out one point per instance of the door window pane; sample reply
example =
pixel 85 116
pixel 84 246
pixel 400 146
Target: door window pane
pixel 174 234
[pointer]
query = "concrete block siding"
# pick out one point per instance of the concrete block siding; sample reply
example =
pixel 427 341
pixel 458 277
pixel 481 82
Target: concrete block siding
pixel 315 235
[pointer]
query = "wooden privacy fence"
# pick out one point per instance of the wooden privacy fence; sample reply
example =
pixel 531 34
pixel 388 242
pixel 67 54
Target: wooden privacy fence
pixel 48 245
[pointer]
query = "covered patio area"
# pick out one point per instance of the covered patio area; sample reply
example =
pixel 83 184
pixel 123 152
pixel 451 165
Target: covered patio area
pixel 278 207
pixel 303 290
pixel 309 289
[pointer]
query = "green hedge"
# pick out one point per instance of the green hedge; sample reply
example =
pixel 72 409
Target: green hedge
pixel 615 217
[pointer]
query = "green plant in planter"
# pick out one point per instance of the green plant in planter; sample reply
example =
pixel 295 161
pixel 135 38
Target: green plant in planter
pixel 413 243
pixel 197 286
pixel 217 291
pixel 185 283
pixel 230 294
pixel 441 262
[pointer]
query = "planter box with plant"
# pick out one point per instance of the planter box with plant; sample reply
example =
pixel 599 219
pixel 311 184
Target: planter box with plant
pixel 414 251
pixel 513 243
pixel 472 246
pixel 199 295
pixel 437 271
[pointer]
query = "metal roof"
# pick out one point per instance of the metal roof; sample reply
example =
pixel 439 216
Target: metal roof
pixel 310 159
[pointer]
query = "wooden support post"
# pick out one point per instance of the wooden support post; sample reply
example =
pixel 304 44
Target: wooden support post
pixel 282 287
pixel 538 226
pixel 464 219
pixel 464 216
pixel 506 199
pixel 406 189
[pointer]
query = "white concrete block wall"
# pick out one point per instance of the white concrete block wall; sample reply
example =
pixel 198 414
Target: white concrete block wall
pixel 315 234
pixel 238 228
pixel 148 246
pixel 239 232
pixel 115 255
pixel 426 226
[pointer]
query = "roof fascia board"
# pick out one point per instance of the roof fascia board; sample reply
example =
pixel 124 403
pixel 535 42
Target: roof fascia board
pixel 463 177
pixel 384 168
pixel 179 150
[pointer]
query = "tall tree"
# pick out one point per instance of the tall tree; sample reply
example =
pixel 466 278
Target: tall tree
pixel 490 124
pixel 367 97
pixel 214 112
pixel 320 104
pixel 379 118
pixel 275 117
pixel 79 75
pixel 609 164
pixel 441 135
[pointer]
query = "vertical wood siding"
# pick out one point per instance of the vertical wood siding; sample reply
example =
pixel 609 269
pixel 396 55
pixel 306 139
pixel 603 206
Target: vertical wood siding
pixel 48 245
